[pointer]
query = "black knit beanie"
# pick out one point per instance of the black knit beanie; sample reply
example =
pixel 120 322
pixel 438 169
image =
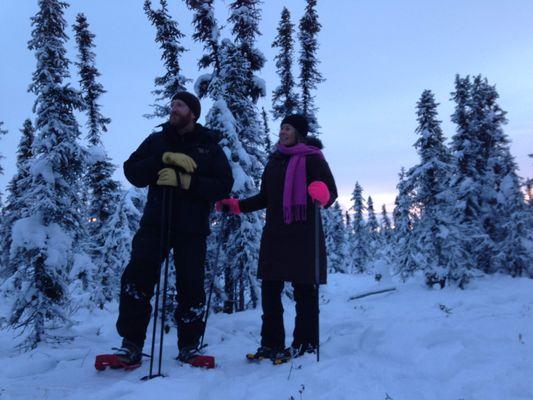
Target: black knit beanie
pixel 299 122
pixel 191 100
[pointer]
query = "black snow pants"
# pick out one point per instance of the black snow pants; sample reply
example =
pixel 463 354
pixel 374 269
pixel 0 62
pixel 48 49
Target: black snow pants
pixel 139 279
pixel 272 330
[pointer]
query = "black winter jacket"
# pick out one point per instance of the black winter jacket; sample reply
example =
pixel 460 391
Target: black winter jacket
pixel 211 181
pixel 287 250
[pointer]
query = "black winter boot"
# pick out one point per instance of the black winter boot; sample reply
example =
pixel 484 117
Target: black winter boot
pixel 187 353
pixel 281 356
pixel 305 348
pixel 129 353
pixel 261 353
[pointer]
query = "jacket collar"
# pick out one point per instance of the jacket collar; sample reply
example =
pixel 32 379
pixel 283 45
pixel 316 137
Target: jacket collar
pixel 200 134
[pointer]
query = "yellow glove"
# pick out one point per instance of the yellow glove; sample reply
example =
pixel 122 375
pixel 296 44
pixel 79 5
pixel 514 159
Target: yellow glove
pixel 167 177
pixel 180 160
pixel 185 180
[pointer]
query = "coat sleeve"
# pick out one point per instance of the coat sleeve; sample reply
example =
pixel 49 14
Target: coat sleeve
pixel 318 170
pixel 257 202
pixel 142 167
pixel 218 185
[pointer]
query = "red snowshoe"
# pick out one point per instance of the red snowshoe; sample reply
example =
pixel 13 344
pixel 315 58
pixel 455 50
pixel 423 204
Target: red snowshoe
pixel 195 358
pixel 114 361
pixel 127 357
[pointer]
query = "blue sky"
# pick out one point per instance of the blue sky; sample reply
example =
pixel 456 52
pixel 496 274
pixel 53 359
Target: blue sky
pixel 377 58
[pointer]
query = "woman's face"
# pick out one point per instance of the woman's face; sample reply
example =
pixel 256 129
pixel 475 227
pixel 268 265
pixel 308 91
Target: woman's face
pixel 288 135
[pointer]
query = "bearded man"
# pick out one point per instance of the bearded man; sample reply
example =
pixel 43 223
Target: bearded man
pixel 184 165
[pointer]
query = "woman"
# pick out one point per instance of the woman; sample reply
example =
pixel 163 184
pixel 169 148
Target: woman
pixel 295 176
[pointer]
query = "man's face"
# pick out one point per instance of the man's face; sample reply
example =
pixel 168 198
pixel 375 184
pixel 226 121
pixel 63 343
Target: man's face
pixel 180 114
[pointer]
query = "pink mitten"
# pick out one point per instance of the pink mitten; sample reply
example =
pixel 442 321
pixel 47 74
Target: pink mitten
pixel 319 192
pixel 228 205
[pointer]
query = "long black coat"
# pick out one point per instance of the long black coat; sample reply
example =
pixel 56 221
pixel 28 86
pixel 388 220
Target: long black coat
pixel 288 250
pixel 211 181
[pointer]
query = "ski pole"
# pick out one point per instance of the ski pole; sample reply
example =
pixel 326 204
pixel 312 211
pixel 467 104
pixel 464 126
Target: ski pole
pixel 317 277
pixel 165 280
pixel 213 275
pixel 158 284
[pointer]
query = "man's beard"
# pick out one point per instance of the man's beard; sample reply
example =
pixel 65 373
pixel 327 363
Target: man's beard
pixel 181 122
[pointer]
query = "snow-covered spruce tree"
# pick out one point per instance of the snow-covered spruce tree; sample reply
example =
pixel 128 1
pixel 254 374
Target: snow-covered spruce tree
pixel 373 245
pixel 385 227
pixel 529 215
pixel 503 212
pixel 398 214
pixel 235 116
pixel 266 130
pixel 236 286
pixel 206 31
pixel 246 60
pixel 529 234
pixel 474 244
pixel 2 133
pixel 407 259
pixel 372 225
pixel 529 190
pixel 335 235
pixel 349 241
pixel 244 233
pixel 241 236
pixel 102 190
pixel 168 36
pixel 16 206
pixel 308 61
pixel 480 124
pixel 245 16
pixel 284 100
pixel 385 253
pixel 98 178
pixel 44 243
pixel 118 231
pixel 347 220
pixel 436 231
pixel 358 246
pixel 3 226
pixel 513 252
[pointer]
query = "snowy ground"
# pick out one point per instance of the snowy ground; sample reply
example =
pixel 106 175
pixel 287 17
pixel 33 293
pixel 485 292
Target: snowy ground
pixel 410 344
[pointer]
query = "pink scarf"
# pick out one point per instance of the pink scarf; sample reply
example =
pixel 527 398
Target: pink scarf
pixel 295 190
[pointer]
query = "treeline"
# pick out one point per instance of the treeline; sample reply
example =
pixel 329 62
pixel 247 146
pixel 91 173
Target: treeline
pixel 461 211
